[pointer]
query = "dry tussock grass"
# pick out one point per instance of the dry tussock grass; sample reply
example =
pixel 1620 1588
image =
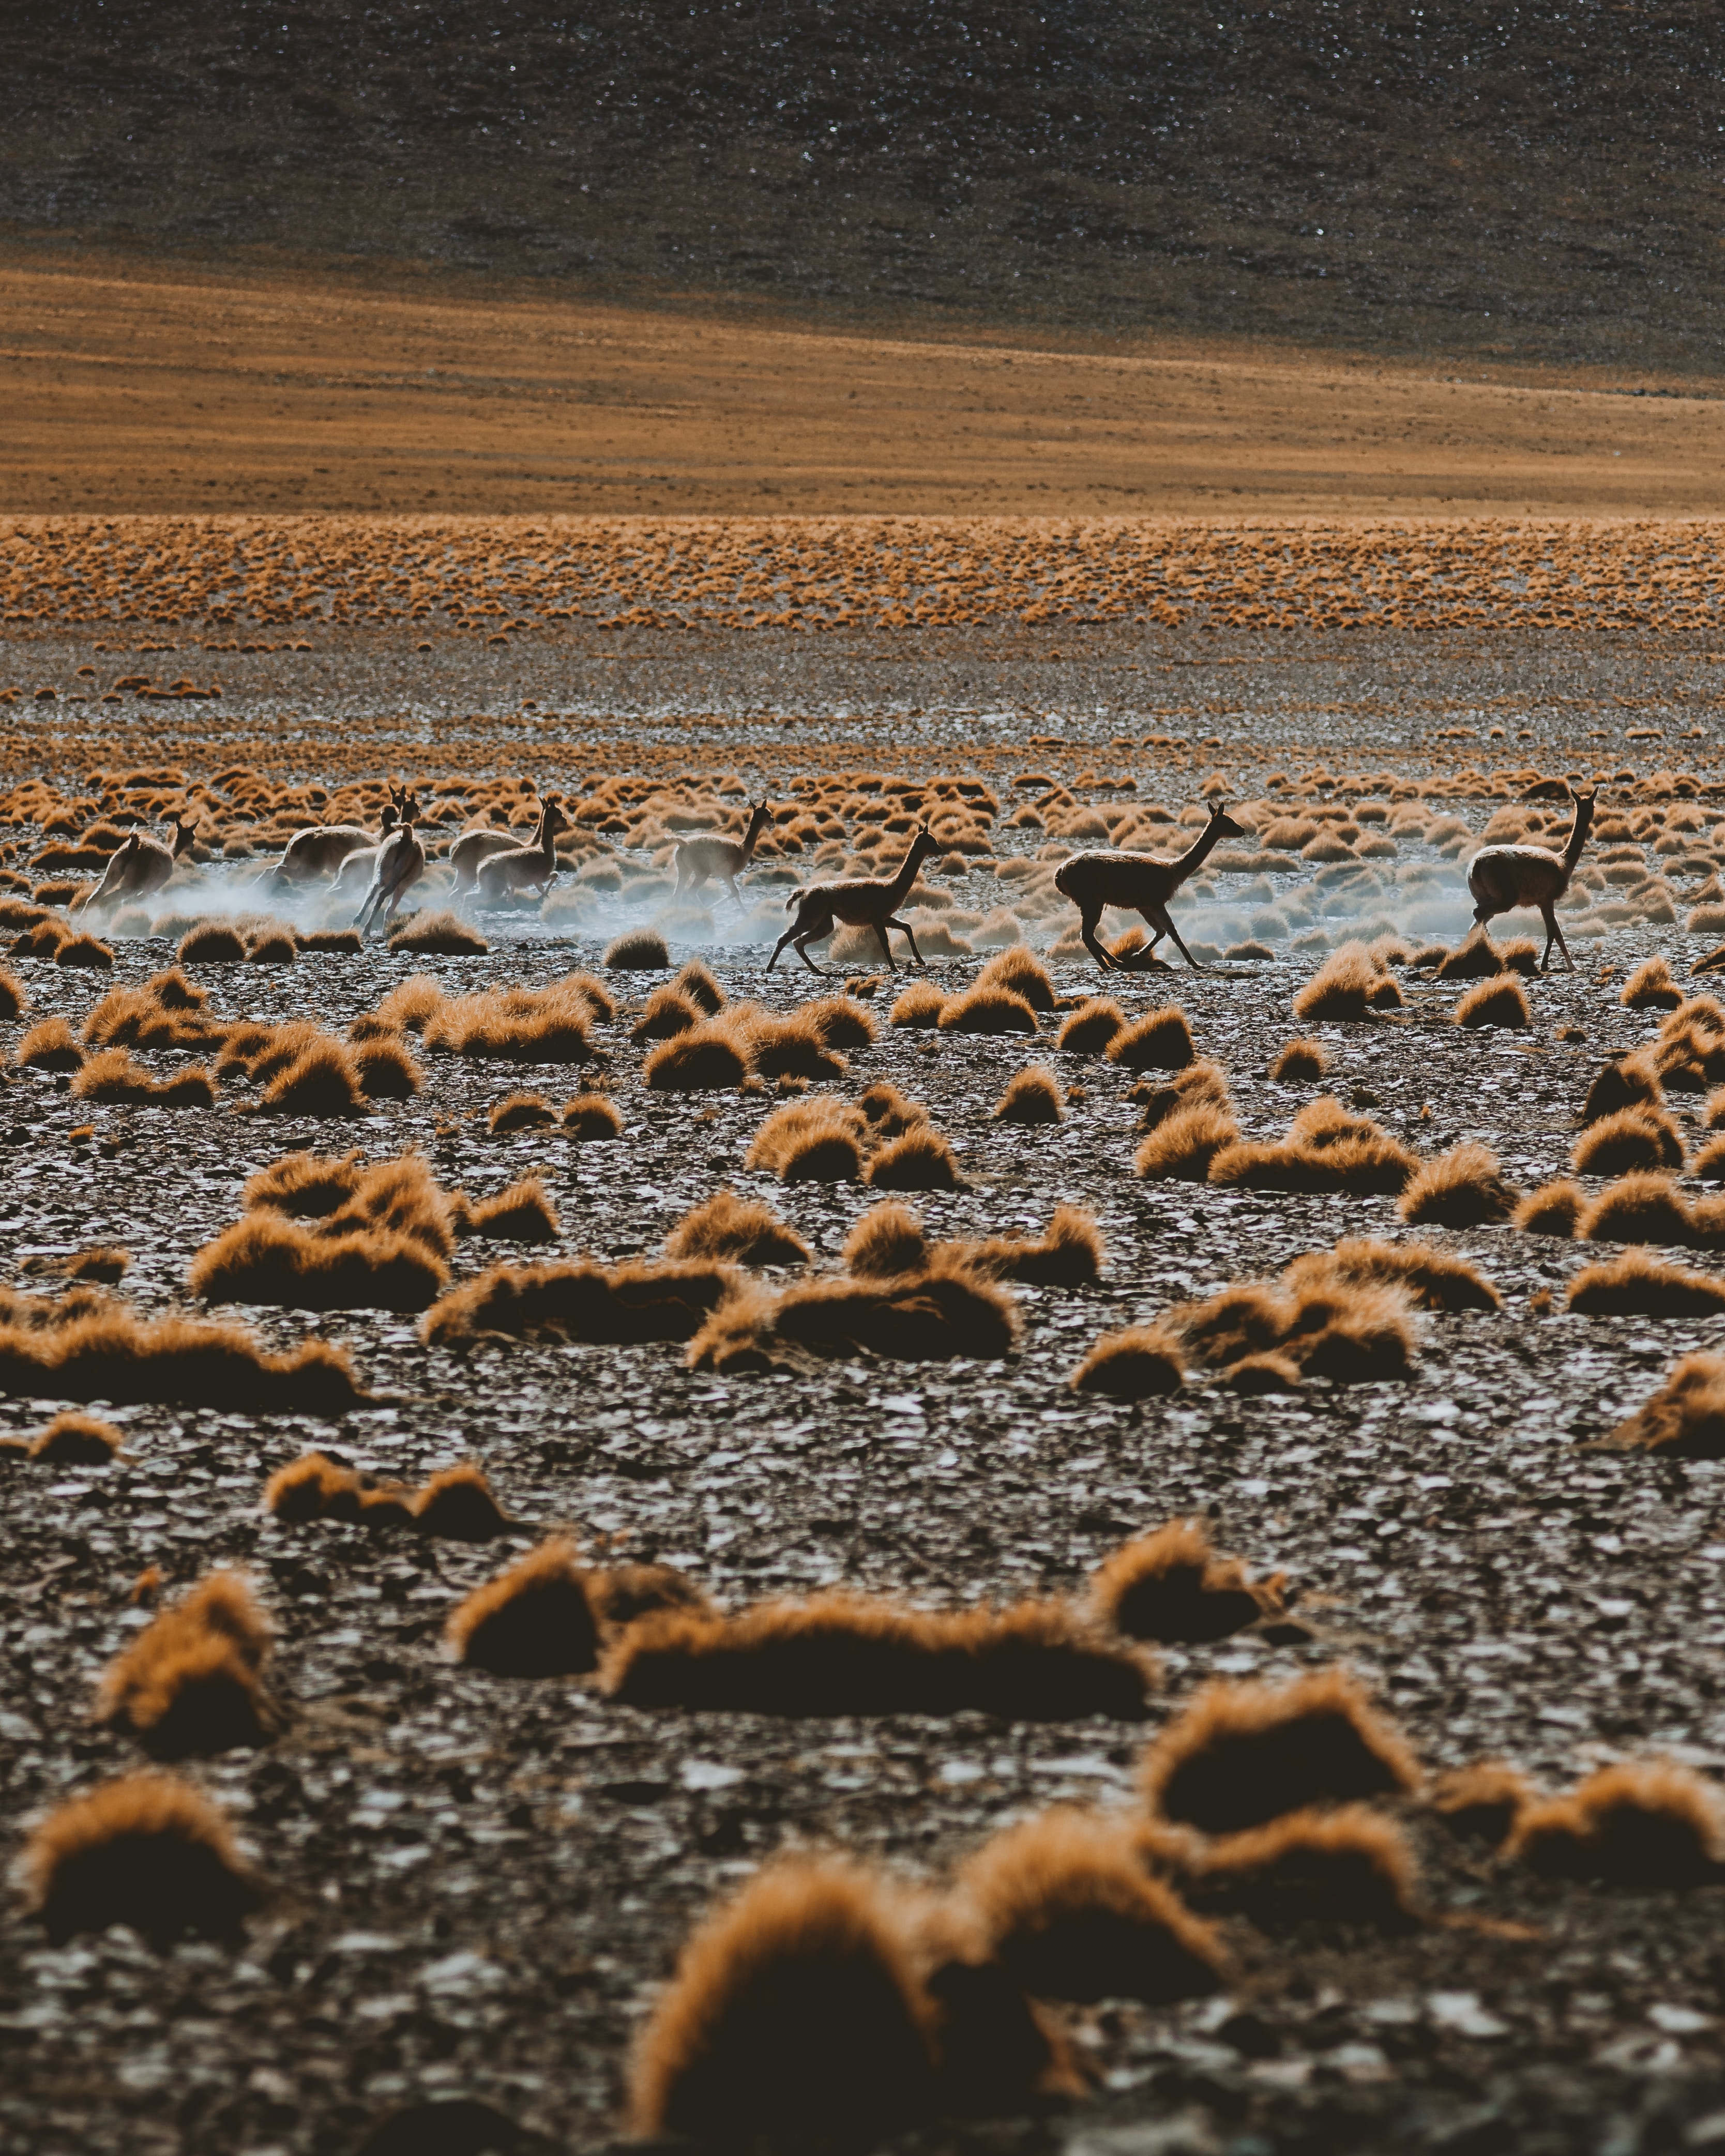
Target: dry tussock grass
pixel 1637 1285
pixel 1350 985
pixel 666 1013
pixel 50 1046
pixel 819 1140
pixel 1185 1144
pixel 1138 1363
pixel 113 1079
pixel 618 1304
pixel 147 1850
pixel 1685 1419
pixel 267 1258
pixel 981 1009
pixel 707 1058
pixel 524 1213
pixel 1160 1040
pixel 71 1440
pixel 1644 1823
pixel 1090 1028
pixel 739 1230
pixel 515 1025
pixel 1633 1138
pixel 1171 1587
pixel 589 1117
pixel 642 951
pixel 212 943
pixel 1031 1096
pixel 1650 988
pixel 1299 1063
pixel 192 1681
pixel 1501 1002
pixel 920 1006
pixel 442 934
pixel 1482 1802
pixel 1346 1866
pixel 922 1159
pixel 1461 1188
pixel 1069 1254
pixel 1553 1209
pixel 537 1619
pixel 933 1315
pixel 1432 1278
pixel 520 1111
pixel 888 1239
pixel 1328 1147
pixel 1019 972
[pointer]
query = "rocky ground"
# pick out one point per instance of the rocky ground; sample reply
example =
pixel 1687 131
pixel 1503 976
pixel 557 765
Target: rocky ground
pixel 483 1881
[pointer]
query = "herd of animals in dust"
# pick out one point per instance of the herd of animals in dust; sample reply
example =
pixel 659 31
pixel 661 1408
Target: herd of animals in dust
pixel 822 1996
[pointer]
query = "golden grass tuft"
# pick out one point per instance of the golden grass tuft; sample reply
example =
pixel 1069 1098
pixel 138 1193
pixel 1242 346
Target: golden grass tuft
pixel 1090 1028
pixel 1633 1138
pixel 14 996
pixel 1431 1279
pixel 1650 988
pixel 740 1231
pixel 524 1213
pixel 629 1302
pixel 537 1619
pixel 213 943
pixel 887 1112
pixel 842 1654
pixel 1183 1147
pixel 922 1159
pixel 72 1439
pixel 520 1111
pixel 920 1007
pixel 889 1239
pixel 1639 1209
pixel 1461 1188
pixel 1017 970
pixel 147 1850
pixel 50 1046
pixel 621 1593
pixel 793 1047
pixel 1501 1002
pixel 1063 1901
pixel 1069 1254
pixel 706 1059
pixel 642 951
pixel 345 940
pixel 840 1022
pixel 1328 1147
pixel 1346 1866
pixel 1482 1802
pixel 1685 1419
pixel 666 1013
pixel 1299 1063
pixel 515 1025
pixel 982 1010
pixel 1646 1822
pixel 1243 1754
pixel 411 1004
pixel 387 1071
pixel 1031 1096
pixel 1637 1285
pixel 1555 1209
pixel 1623 1081
pixel 1160 1040
pixel 443 934
pixel 458 1504
pixel 89 951
pixel 1350 984
pixel 818 1140
pixel 1171 1587
pixel 1136 1364
pixel 268 1259
pixel 935 1314
pixel 590 1117
pixel 191 1681
pixel 113 1078
pixel 796 2012
pixel 696 982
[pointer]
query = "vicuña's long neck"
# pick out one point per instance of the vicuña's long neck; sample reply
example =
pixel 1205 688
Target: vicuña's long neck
pixel 751 839
pixel 1189 863
pixel 543 842
pixel 902 881
pixel 1578 835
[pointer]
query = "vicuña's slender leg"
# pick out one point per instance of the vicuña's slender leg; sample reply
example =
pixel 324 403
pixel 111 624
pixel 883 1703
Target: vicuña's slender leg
pixel 1087 930
pixel 1553 931
pixel 886 947
pixel 731 886
pixel 1158 920
pixel 802 953
pixel 904 930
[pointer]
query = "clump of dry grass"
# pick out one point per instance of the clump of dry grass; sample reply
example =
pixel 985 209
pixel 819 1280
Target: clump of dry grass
pixel 1299 1063
pixel 515 1025
pixel 839 1654
pixel 213 943
pixel 889 1239
pixel 537 1619
pixel 1136 1364
pixel 1640 1209
pixel 457 1504
pixel 590 1116
pixel 1160 1040
pixel 1184 1146
pixel 642 951
pixel 275 945
pixel 387 1071
pixel 411 1004
pixel 1553 1209
pixel 840 1022
pixel 920 1006
pixel 982 1010
pixel 1650 988
pixel 666 1013
pixel 1624 1081
pixel 796 2012
pixel 1200 1082
pixel 793 1047
pixel 708 1058
pixel 1090 1028
pixel 1017 970
pixel 50 1046
pixel 1174 1587
pixel 1328 1147
pixel 888 1113
pixel 1064 1903
pixel 922 1159
pixel 146 1851
pixel 524 1213
pixel 738 1230
pixel 1069 1254
pixel 697 983
pixel 1637 1285
pixel 1349 1866
pixel 818 1140
pixel 71 1440
pixel 1350 984
pixel 86 951
pixel 621 1593
pixel 520 1111
pixel 1633 1138
pixel 1500 1002
pixel 443 934
pixel 582 1302
pixel 266 1258
pixel 1326 1322
pixel 14 996
pixel 113 1078
pixel 1243 1754
pixel 315 1487
pixel 1031 1096
pixel 942 1311
pixel 1646 1823
pixel 192 1681
pixel 1685 1419
pixel 1432 1278
pixel 1461 1188
pixel 345 940
pixel 1482 1802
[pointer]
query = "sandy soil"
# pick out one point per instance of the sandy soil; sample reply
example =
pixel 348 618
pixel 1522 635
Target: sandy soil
pixel 486 1880
pixel 130 388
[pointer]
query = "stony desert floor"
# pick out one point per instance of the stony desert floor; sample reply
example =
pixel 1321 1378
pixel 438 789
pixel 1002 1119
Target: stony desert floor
pixel 480 1882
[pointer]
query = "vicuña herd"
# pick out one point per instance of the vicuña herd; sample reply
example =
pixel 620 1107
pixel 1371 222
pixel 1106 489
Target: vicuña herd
pixel 383 866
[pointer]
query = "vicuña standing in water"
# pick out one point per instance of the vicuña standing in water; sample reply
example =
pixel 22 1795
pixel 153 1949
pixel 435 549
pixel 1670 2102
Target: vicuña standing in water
pixel 869 902
pixel 400 863
pixel 1138 883
pixel 141 866
pixel 523 868
pixel 705 855
pixel 1501 878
